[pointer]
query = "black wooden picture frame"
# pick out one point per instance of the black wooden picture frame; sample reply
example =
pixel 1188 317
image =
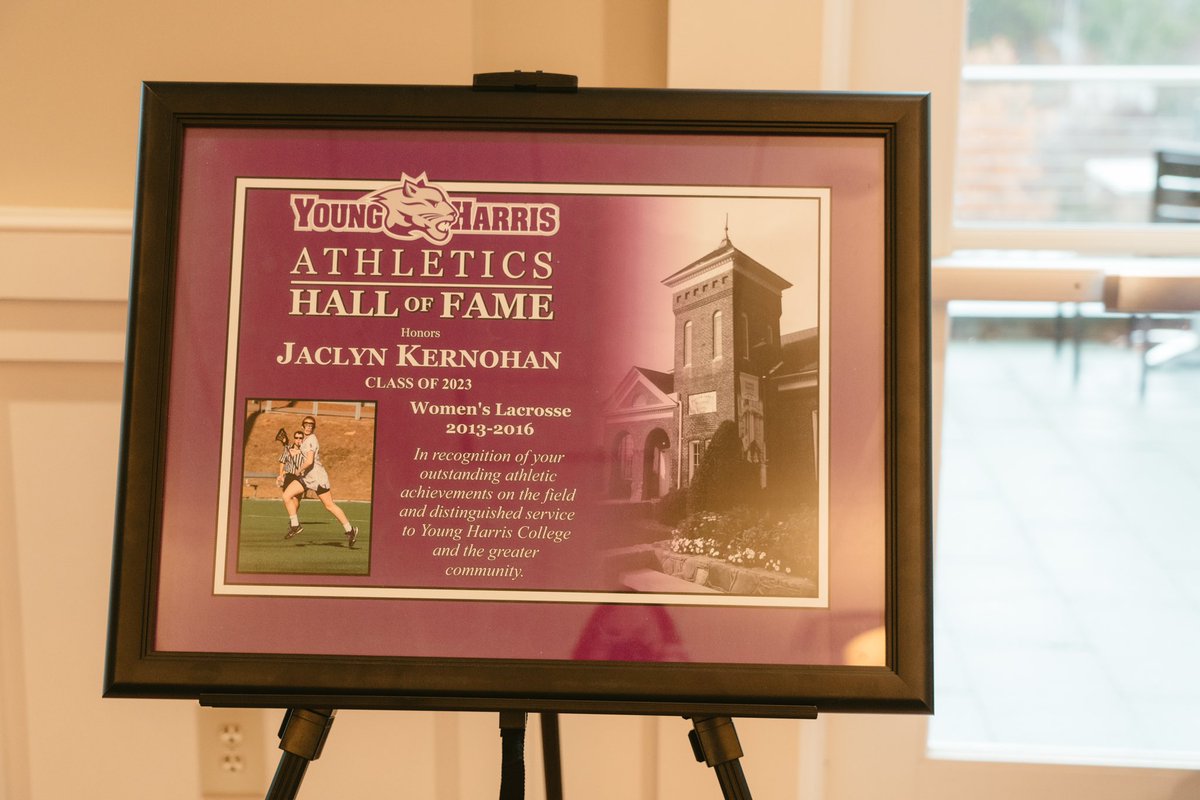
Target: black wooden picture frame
pixel 198 138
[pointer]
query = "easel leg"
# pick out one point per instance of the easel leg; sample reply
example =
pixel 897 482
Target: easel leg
pixel 552 756
pixel 512 755
pixel 301 738
pixel 715 742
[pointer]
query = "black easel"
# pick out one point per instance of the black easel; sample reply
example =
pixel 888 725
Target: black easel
pixel 715 742
pixel 512 754
pixel 301 738
pixel 512 760
pixel 303 733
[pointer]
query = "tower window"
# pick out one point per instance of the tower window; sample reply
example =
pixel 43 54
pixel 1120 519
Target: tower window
pixel 687 343
pixel 718 346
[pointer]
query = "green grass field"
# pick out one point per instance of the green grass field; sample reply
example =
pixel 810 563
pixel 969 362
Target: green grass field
pixel 320 550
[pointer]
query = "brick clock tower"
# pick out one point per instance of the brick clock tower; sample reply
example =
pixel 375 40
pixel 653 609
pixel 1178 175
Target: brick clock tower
pixel 727 308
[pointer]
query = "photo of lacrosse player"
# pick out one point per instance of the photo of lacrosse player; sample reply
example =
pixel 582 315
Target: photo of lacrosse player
pixel 293 539
pixel 311 475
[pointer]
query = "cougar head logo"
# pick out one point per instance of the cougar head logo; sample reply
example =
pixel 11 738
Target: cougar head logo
pixel 417 208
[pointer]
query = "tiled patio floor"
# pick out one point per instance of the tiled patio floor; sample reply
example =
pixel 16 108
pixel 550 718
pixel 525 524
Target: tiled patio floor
pixel 1068 558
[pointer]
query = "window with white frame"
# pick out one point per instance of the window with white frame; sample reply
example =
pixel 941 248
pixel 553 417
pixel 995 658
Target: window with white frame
pixel 695 453
pixel 1065 105
pixel 1062 586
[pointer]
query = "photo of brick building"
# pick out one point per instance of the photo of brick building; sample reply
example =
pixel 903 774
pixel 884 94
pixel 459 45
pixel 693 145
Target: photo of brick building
pixel 731 363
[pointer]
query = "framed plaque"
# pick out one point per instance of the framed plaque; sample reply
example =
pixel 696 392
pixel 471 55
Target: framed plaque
pixel 608 400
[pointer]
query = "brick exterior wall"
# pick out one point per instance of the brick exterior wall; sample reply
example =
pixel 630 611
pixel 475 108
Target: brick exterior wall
pixel 704 375
pixel 750 346
pixel 776 426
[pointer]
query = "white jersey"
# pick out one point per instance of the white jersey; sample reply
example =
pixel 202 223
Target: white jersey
pixel 316 477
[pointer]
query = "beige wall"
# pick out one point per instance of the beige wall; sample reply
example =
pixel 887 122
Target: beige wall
pixel 68 141
pixel 755 45
pixel 69 138
pixel 68 128
pixel 73 70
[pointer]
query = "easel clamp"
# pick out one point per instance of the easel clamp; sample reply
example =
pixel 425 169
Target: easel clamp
pixel 714 740
pixel 304 731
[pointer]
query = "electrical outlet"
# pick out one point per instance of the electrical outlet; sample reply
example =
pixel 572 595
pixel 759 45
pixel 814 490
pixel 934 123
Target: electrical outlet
pixel 232 752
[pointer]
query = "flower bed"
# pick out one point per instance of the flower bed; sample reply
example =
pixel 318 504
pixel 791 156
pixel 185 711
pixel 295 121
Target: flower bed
pixel 746 552
pixel 730 578
pixel 785 544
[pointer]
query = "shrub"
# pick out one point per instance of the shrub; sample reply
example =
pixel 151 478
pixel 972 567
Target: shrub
pixel 672 507
pixel 724 479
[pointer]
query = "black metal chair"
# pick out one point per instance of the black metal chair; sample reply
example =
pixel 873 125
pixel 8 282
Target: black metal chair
pixel 1177 184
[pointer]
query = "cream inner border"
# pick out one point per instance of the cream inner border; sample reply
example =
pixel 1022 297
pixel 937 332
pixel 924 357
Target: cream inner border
pixel 220 587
